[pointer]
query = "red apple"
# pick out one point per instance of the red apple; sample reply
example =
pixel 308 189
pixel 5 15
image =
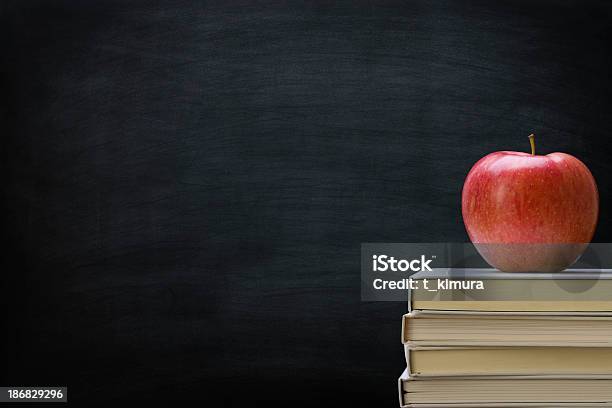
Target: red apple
pixel 526 212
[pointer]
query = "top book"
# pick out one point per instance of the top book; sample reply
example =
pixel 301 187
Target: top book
pixel 573 290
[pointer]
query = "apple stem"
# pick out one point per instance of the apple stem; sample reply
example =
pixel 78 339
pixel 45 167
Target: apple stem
pixel 532 142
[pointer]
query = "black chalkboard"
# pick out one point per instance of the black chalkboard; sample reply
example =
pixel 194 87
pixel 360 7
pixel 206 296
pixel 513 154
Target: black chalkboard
pixel 186 184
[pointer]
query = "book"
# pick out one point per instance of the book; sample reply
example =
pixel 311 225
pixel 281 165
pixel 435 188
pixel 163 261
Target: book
pixel 503 361
pixel 575 290
pixel 465 328
pixel 518 391
pixel 484 338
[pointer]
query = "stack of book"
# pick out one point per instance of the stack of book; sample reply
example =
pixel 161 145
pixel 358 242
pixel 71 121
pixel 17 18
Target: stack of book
pixel 519 340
